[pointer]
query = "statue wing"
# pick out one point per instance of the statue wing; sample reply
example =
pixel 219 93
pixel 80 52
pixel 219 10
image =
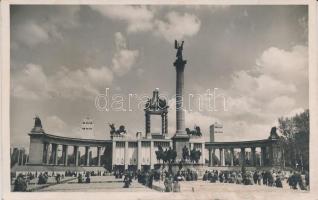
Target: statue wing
pixel 175 44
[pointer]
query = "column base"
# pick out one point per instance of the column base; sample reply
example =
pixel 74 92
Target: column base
pixel 179 141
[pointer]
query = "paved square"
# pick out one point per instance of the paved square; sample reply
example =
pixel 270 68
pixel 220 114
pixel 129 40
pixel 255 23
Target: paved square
pixel 98 184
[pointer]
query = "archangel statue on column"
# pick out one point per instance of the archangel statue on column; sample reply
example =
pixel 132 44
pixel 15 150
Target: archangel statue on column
pixel 179 49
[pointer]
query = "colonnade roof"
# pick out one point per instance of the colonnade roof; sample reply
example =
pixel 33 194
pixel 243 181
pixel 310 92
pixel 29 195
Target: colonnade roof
pixel 49 138
pixel 241 144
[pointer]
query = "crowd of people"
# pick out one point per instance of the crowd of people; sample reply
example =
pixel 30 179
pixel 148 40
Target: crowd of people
pixel 269 178
pixel 22 180
pixel 145 177
pixel 300 180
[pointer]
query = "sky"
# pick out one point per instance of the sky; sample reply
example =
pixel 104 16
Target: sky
pixel 255 59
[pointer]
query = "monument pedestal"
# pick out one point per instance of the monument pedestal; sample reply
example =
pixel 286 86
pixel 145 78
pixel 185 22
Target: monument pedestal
pixel 179 141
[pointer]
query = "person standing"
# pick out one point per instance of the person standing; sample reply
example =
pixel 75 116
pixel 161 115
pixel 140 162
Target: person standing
pixel 176 186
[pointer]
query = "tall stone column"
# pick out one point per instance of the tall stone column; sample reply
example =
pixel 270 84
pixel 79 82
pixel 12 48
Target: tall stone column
pixel 271 157
pixel 203 153
pixel 263 156
pixel 55 156
pixel 19 155
pixel 65 156
pixel 253 156
pixel 152 155
pixel 210 157
pixel 163 125
pixel 98 156
pixel 48 153
pixel 113 154
pixel 242 156
pixel 213 155
pixel 139 155
pixel 181 138
pixel 22 157
pixel 166 123
pixel 180 120
pixel 232 156
pixel 87 155
pixel 45 153
pixel 222 163
pixel 126 159
pixel 148 125
pixel 75 154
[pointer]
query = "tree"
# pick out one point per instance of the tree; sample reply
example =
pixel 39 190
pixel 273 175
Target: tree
pixel 295 140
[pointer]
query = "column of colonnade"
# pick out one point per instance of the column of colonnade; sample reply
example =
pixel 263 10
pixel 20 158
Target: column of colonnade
pixel 52 158
pixel 164 123
pixel 242 156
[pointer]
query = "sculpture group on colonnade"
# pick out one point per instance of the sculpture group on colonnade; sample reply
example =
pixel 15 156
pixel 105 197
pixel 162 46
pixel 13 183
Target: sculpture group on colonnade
pixel 121 130
pixel 195 132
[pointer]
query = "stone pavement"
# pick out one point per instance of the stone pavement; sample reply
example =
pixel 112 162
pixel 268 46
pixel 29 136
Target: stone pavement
pixel 205 186
pixel 98 184
pixel 33 186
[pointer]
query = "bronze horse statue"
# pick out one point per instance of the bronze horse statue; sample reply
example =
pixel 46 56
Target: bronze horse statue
pixel 119 131
pixel 195 132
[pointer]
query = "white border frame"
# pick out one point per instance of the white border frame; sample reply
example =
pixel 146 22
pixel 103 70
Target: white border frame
pixel 5 104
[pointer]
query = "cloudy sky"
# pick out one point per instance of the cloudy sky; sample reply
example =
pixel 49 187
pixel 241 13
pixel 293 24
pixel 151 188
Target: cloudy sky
pixel 62 57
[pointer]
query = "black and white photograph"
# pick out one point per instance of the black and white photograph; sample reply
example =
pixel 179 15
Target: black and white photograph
pixel 159 99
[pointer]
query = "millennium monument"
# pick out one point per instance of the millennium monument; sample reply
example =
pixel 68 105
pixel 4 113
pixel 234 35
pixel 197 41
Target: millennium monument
pixel 121 153
pixel 180 139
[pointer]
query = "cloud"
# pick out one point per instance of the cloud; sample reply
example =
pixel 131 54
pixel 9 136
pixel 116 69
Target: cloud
pixel 257 100
pixel 288 66
pixel 33 83
pixel 32 34
pixel 242 130
pixel 124 59
pixel 303 23
pixel 143 19
pixel 82 83
pixel 261 86
pixel 281 104
pixel 178 26
pixel 33 30
pixel 30 83
pixel 53 124
pixel 138 18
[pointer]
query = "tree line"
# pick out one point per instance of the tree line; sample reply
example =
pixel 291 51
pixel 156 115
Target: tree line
pixel 295 140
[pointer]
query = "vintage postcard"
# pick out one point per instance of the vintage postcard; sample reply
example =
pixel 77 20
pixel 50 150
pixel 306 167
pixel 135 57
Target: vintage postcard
pixel 157 100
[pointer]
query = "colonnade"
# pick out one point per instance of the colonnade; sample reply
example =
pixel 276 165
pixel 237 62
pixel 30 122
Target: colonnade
pixel 53 157
pixel 142 151
pixel 242 156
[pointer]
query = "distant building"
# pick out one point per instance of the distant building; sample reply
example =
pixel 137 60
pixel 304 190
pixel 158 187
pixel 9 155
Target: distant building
pixel 87 128
pixel 215 128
